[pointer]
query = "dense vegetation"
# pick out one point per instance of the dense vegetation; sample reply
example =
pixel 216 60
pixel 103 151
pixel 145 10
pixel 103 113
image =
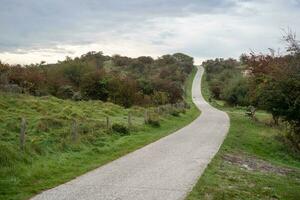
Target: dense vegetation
pixel 122 80
pixel 268 82
pixel 226 81
pixel 254 161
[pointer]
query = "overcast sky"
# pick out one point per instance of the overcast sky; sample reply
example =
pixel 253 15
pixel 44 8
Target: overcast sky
pixel 49 30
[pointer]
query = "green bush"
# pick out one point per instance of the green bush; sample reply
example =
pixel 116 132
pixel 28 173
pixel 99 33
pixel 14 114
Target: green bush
pixel 120 128
pixel 65 92
pixel 154 122
pixel 175 113
pixel 235 92
pixel 226 81
pixel 215 87
pixel 77 96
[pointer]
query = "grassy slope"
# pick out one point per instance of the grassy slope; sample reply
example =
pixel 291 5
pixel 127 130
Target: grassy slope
pixel 50 157
pixel 249 140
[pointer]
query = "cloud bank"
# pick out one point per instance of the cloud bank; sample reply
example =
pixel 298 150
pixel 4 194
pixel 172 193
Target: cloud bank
pixel 49 30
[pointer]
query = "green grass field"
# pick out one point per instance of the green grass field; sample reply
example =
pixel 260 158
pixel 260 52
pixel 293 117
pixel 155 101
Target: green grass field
pixel 51 157
pixel 253 162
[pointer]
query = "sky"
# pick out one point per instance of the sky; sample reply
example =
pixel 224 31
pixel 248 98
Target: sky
pixel 49 30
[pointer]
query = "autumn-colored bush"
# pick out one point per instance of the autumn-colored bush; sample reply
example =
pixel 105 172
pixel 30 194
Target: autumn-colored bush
pixel 93 76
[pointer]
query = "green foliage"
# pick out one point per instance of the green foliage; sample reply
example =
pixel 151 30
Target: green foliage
pixel 65 92
pixel 268 82
pixel 154 122
pixel 95 86
pixel 226 81
pixel 120 129
pixel 121 60
pixel 145 59
pixel 235 92
pixel 253 142
pixel 160 98
pixel 142 81
pixel 175 113
pixel 275 86
pixel 185 60
pixel 73 72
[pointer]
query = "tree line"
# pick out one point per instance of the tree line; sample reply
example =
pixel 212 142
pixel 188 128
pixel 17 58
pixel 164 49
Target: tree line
pixel 119 79
pixel 264 81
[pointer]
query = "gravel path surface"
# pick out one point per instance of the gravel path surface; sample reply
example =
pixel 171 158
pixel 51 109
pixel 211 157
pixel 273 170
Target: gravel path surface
pixel 164 170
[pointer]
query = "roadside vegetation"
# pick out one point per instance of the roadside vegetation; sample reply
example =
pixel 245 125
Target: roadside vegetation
pixel 125 81
pixel 258 159
pixel 267 82
pixel 65 138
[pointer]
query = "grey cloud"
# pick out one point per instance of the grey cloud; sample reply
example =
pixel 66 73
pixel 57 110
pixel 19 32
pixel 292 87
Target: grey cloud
pixel 46 23
pixel 206 28
pixel 53 49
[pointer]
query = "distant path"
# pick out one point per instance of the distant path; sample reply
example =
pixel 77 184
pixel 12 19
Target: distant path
pixel 164 170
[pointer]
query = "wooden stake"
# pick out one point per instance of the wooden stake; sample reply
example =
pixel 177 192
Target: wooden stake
pixel 22 133
pixel 74 131
pixel 108 125
pixel 146 118
pixel 129 120
pixel 158 110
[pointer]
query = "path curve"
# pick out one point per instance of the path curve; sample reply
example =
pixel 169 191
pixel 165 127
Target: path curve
pixel 164 170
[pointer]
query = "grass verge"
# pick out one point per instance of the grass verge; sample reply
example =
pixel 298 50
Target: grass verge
pixel 253 163
pixel 50 158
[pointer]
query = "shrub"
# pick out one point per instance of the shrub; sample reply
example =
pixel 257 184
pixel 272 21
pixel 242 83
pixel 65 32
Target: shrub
pixel 142 81
pixel 65 92
pixel 183 111
pixel 77 96
pixel 120 128
pixel 154 122
pixel 95 86
pixel 236 91
pixel 175 113
pixel 12 88
pixel 215 88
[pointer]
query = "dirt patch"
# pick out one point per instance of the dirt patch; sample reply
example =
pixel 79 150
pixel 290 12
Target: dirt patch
pixel 254 164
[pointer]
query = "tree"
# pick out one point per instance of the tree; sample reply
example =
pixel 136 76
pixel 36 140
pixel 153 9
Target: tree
pixel 4 73
pixel 73 72
pixel 160 98
pixel 145 60
pixel 275 85
pixel 235 91
pixel 185 61
pixel 123 91
pixel 95 86
pixel 122 80
pixel 121 60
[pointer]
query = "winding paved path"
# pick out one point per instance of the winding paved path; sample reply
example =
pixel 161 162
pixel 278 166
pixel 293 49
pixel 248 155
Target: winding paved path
pixel 164 170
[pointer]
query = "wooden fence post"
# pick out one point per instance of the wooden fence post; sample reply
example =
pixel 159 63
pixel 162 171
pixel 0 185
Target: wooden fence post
pixel 108 125
pixel 22 133
pixel 74 131
pixel 146 117
pixel 158 110
pixel 129 120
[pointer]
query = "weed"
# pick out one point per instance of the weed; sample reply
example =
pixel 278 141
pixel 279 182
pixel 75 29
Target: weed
pixel 120 128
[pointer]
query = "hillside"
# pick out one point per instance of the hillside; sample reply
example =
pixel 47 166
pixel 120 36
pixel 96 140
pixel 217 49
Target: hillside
pixel 52 156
